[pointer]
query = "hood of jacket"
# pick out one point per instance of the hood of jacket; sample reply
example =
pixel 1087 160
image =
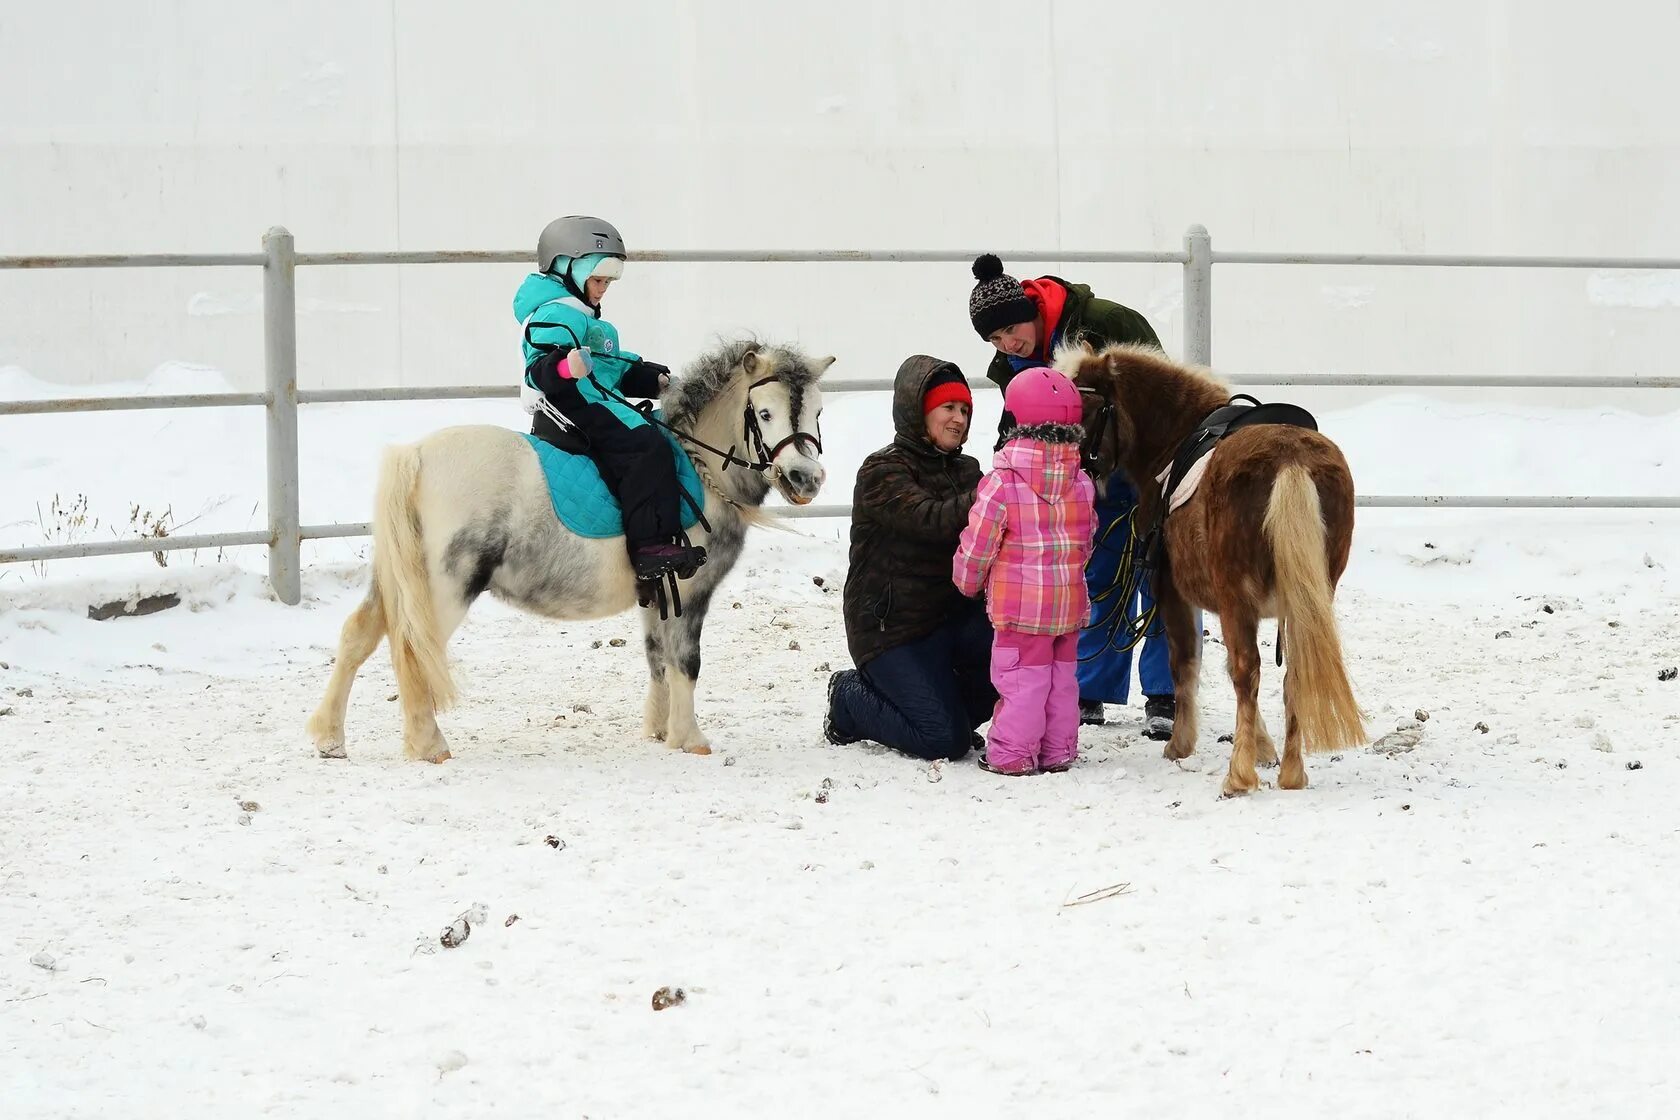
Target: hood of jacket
pixel 909 387
pixel 539 288
pixel 1047 466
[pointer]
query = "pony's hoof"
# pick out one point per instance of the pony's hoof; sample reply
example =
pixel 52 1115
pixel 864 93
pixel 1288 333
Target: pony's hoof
pixel 1286 780
pixel 328 740
pixel 1177 752
pixel 692 743
pixel 1235 789
pixel 689 741
pixel 439 753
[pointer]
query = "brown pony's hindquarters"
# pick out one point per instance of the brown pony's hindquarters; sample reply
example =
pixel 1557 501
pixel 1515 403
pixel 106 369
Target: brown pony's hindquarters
pixel 1317 694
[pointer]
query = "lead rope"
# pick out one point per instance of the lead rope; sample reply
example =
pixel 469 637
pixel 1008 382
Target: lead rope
pixel 1131 572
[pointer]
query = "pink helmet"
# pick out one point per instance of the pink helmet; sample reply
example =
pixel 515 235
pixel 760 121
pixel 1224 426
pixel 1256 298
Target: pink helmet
pixel 1042 396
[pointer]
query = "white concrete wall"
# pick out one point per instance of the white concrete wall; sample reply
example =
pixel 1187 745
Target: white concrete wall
pixel 1428 125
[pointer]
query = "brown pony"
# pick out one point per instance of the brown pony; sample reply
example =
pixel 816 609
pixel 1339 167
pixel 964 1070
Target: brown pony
pixel 1265 535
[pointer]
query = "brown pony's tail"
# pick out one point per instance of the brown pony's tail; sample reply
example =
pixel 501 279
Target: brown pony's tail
pixel 405 585
pixel 1323 706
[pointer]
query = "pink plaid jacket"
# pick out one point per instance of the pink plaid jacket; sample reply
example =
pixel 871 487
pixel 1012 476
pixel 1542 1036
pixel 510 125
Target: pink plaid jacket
pixel 1028 539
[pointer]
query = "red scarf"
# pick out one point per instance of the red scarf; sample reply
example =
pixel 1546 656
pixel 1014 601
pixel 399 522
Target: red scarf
pixel 1050 298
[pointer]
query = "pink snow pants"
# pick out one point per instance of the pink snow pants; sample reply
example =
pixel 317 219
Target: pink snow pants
pixel 1036 721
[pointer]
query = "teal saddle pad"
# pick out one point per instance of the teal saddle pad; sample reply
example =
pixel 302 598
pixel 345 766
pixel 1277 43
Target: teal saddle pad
pixel 580 496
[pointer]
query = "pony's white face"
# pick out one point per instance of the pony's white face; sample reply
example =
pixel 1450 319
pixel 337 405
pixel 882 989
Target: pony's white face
pixel 789 421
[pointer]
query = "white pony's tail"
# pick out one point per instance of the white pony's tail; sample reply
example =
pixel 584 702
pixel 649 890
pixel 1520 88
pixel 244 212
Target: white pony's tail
pixel 405 585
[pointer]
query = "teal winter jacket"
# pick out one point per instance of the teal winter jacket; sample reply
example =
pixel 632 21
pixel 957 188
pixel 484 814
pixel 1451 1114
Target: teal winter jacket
pixel 566 322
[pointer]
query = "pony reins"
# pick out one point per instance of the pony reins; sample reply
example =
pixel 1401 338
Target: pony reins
pixel 750 432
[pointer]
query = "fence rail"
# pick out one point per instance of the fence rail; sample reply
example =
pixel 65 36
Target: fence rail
pixel 120 404
pixel 1409 501
pixel 281 397
pixel 135 260
pixel 137 544
pixel 1448 260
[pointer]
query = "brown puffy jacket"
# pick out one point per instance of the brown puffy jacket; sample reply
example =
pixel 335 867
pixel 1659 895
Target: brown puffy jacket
pixel 909 508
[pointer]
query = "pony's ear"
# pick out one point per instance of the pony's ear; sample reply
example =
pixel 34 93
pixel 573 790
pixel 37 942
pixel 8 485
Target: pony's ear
pixel 750 362
pixel 820 365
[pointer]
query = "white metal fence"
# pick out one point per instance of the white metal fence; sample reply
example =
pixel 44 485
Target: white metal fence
pixel 279 261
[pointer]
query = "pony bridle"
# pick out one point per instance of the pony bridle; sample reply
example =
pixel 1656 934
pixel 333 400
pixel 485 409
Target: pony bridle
pixel 755 437
pixel 1091 445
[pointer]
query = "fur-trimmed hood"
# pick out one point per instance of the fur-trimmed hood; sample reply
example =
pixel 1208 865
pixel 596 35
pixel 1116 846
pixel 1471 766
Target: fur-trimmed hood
pixel 1047 433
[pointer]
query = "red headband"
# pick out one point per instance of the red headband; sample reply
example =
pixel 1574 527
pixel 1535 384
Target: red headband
pixel 944 393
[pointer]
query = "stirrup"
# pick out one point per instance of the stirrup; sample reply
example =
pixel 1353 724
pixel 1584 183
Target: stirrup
pixel 684 558
pixel 650 591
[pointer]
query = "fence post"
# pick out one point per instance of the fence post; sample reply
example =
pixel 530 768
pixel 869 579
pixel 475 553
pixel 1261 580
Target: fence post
pixel 280 362
pixel 1198 296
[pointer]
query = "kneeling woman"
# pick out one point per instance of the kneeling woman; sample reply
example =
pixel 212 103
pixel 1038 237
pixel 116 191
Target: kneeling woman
pixel 923 651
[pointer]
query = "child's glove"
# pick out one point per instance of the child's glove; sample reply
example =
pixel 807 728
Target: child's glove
pixel 577 365
pixel 645 379
pixel 661 373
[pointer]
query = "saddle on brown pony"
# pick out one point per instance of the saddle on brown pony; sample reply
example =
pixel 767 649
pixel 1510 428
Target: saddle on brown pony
pixel 1265 534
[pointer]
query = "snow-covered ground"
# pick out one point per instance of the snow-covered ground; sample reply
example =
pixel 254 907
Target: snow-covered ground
pixel 1481 925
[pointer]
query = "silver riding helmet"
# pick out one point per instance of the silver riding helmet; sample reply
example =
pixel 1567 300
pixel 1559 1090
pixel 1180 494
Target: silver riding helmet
pixel 577 236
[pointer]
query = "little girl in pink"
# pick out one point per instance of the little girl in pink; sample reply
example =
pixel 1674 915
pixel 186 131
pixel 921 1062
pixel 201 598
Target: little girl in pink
pixel 1028 538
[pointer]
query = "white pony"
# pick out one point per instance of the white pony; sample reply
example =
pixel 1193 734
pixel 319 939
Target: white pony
pixel 467 510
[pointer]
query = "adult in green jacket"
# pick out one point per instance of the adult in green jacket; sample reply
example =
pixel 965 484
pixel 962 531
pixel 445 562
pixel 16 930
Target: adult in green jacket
pixel 1025 320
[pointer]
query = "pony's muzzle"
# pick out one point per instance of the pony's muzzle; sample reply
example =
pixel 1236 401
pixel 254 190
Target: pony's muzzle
pixel 800 484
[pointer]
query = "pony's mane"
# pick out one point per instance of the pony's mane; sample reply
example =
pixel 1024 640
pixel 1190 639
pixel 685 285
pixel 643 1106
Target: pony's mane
pixel 1077 359
pixel 709 375
pixel 1154 401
